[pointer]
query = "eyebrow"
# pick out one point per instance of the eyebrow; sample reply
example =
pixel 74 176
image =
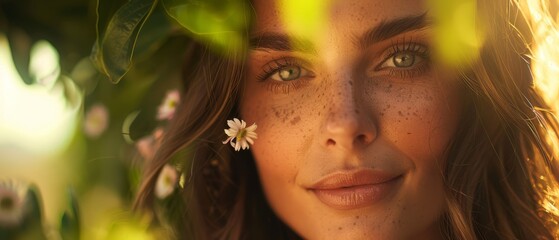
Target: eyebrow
pixel 281 42
pixel 388 29
pixel 384 30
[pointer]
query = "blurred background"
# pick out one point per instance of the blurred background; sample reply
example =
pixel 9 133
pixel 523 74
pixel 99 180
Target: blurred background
pixel 72 141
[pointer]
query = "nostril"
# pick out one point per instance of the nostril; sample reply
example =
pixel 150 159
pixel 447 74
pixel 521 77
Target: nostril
pixel 330 142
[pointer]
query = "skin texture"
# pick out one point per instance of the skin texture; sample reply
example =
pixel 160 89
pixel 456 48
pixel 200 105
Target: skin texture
pixel 351 109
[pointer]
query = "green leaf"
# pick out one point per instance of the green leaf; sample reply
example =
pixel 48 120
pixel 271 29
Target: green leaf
pixel 221 23
pixel 154 33
pixel 20 46
pixel 70 223
pixel 113 52
pixel 32 225
pixel 35 213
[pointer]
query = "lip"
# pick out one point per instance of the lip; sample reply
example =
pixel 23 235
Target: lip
pixel 355 189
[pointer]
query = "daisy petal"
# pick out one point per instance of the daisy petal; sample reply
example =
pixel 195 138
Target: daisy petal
pixel 232 124
pixel 244 144
pixel 251 135
pixel 237 122
pixel 251 128
pixel 227 140
pixel 231 132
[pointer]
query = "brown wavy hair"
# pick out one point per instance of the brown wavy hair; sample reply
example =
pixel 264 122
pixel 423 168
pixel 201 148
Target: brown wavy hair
pixel 500 173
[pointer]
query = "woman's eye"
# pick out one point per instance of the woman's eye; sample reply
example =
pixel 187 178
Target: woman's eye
pixel 402 60
pixel 289 73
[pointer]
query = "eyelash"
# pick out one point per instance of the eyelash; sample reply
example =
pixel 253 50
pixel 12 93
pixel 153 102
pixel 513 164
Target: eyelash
pixel 410 47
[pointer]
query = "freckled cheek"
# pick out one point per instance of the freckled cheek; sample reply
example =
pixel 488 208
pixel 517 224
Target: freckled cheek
pixel 420 123
pixel 278 134
pixel 285 121
pixel 278 128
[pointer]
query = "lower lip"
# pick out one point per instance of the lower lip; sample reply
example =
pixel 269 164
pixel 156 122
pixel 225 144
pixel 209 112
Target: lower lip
pixel 356 196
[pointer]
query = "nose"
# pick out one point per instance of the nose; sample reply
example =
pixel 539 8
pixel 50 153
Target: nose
pixel 349 123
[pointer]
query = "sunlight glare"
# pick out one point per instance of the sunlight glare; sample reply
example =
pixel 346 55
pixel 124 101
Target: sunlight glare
pixel 34 118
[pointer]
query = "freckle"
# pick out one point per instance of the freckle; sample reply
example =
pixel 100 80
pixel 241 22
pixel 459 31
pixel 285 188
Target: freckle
pixel 357 217
pixel 406 118
pixel 340 228
pixel 409 133
pixel 277 114
pixel 400 113
pixel 354 223
pixel 295 120
pixel 388 106
pixel 350 83
pixel 357 111
pixel 292 111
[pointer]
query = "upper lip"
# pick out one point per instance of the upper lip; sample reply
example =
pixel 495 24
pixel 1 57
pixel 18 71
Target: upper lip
pixel 353 178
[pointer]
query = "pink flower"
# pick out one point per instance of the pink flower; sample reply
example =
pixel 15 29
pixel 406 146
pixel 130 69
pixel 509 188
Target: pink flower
pixel 166 110
pixel 13 203
pixel 166 182
pixel 96 121
pixel 148 145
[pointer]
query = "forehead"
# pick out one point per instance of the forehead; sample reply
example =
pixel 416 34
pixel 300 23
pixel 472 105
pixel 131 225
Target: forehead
pixel 345 15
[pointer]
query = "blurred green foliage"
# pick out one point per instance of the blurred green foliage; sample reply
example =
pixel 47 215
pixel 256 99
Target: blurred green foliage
pixel 138 46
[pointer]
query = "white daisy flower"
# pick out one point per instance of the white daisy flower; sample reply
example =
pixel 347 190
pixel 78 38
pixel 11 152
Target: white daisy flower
pixel 166 182
pixel 96 121
pixel 240 135
pixel 13 203
pixel 167 109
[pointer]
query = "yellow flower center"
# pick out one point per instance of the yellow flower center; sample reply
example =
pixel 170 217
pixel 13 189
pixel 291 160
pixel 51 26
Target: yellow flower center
pixel 241 134
pixel 168 181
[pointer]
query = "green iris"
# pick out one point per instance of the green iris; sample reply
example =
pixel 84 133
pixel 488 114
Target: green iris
pixel 403 60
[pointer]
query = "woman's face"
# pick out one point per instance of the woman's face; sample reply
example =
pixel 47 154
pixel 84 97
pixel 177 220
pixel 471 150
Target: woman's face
pixel 352 128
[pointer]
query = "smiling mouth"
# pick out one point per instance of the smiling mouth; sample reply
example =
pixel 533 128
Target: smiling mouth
pixel 353 190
